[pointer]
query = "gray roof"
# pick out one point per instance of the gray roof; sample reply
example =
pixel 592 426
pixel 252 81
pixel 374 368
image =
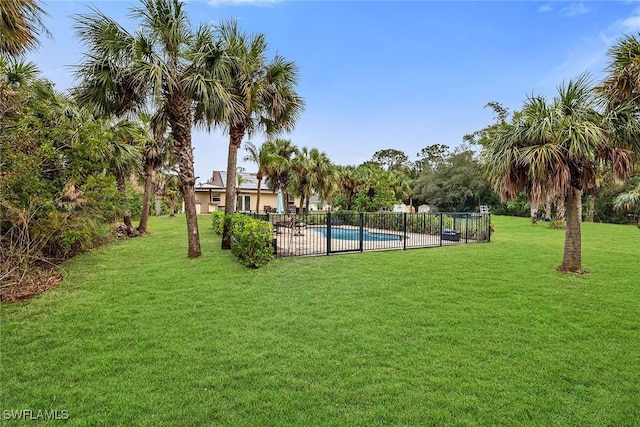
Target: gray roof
pixel 218 181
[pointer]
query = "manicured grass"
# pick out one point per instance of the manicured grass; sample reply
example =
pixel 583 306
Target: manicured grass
pixel 486 334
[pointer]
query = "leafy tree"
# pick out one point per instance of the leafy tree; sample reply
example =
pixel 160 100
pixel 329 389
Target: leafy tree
pixel 266 98
pixel 391 159
pixel 556 147
pixel 429 158
pixel 181 70
pixel 456 183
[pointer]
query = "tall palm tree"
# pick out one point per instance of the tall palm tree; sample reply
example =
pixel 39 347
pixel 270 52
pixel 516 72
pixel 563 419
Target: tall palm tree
pixel 556 148
pixel 348 184
pixel 20 25
pixel 123 157
pixel 623 81
pixel 300 181
pixel 155 151
pixel 278 169
pixel 265 158
pixel 266 91
pixel 323 175
pixel 166 62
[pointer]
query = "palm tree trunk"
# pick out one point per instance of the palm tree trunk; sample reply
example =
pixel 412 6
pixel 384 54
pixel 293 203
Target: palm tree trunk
pixel 547 207
pixel 235 139
pixel 259 177
pixel 308 201
pixel 638 220
pixel 122 189
pixel 534 214
pixel 592 207
pixel 302 203
pixel 572 258
pixel 146 202
pixel 158 204
pixel 560 208
pixel 180 121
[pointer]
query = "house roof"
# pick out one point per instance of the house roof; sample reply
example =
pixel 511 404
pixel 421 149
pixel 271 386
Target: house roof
pixel 218 181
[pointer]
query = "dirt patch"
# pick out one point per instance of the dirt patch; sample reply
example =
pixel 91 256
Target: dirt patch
pixel 15 289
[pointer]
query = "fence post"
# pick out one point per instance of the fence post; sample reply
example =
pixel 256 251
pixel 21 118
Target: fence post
pixel 488 220
pixel 361 225
pixel 466 232
pixel 440 228
pixel 328 233
pixel 404 241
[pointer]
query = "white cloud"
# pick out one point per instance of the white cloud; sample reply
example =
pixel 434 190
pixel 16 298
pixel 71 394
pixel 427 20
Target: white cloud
pixel 545 8
pixel 590 54
pixel 631 24
pixel 218 3
pixel 574 9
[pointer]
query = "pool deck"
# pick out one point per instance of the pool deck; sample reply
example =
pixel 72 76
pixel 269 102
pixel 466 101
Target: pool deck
pixel 303 241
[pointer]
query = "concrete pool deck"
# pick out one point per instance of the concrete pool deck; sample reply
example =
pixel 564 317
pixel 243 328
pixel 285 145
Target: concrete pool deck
pixel 307 241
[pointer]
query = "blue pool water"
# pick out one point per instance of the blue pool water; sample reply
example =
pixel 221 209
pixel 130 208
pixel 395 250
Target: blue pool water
pixel 354 234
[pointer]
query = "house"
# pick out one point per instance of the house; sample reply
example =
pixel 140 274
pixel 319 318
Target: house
pixel 210 196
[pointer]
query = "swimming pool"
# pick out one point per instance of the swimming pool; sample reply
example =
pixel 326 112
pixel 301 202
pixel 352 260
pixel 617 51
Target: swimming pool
pixel 354 234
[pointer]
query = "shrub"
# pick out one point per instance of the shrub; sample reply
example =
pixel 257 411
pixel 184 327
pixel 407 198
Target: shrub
pixel 217 220
pixel 251 240
pixel 557 224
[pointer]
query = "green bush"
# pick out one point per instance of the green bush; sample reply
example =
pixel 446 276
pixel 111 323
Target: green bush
pixel 251 240
pixel 217 220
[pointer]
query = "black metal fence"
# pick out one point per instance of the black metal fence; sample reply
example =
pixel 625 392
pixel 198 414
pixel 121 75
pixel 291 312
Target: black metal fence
pixel 336 232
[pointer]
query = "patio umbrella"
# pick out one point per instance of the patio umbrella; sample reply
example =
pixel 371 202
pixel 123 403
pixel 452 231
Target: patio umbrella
pixel 279 202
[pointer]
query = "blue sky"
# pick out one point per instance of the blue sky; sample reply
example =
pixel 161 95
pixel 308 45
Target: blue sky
pixel 391 74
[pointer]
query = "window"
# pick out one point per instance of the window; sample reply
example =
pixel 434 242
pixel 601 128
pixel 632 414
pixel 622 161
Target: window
pixel 215 197
pixel 244 203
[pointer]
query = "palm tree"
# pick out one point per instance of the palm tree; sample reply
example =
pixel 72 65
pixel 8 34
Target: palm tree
pixel 265 158
pixel 556 148
pixel 348 184
pixel 123 157
pixel 623 82
pixel 165 61
pixel 278 169
pixel 155 151
pixel 20 26
pixel 629 200
pixel 266 91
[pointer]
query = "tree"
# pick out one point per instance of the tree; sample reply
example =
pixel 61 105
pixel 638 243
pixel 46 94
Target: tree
pixel 348 185
pixel 180 69
pixel 622 84
pixel 267 98
pixel 456 183
pixel 556 147
pixel 123 157
pixel 430 158
pixel 20 25
pixel 265 158
pixel 391 159
pixel 311 173
pixel 279 168
pixel 629 200
pixel 156 151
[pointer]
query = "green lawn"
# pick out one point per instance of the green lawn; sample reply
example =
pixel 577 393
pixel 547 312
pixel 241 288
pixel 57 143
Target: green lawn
pixel 486 334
